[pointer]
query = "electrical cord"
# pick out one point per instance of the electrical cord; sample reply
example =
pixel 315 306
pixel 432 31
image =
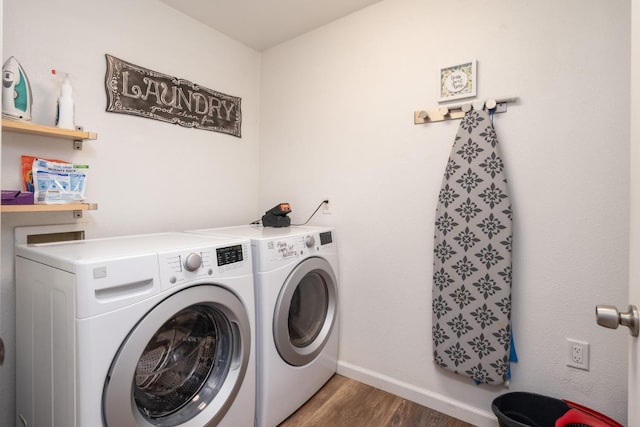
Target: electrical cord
pixel 314 212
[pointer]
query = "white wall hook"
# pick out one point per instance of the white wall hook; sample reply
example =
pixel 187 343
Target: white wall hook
pixel 478 105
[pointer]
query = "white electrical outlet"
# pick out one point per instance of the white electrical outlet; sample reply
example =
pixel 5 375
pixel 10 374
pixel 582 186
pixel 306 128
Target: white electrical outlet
pixel 327 208
pixel 578 354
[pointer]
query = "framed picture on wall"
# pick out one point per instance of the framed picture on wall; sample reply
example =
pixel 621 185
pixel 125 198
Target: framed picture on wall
pixel 458 81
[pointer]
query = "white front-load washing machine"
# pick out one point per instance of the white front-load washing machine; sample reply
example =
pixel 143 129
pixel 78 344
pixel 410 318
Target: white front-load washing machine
pixel 136 331
pixel 296 279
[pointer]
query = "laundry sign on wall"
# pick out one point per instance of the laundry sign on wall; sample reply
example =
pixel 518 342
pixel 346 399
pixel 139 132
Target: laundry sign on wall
pixel 135 90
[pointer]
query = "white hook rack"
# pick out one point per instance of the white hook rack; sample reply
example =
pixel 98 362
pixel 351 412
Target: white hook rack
pixel 457 111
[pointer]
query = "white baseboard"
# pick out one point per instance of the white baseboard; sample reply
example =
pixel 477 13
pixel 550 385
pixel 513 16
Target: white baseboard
pixel 438 402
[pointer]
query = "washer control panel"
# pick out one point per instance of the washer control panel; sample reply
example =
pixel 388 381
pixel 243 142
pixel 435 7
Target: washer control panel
pixel 296 246
pixel 209 262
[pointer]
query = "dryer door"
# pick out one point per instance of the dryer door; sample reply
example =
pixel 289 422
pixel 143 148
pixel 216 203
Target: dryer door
pixel 183 363
pixel 306 311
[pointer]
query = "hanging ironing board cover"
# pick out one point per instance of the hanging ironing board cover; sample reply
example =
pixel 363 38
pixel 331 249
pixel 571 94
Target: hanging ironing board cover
pixel 472 257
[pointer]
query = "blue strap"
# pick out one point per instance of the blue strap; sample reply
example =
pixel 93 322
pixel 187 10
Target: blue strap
pixel 491 113
pixel 513 356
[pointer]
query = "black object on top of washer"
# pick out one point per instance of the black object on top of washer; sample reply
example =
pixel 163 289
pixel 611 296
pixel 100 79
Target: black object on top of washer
pixel 277 216
pixel 521 409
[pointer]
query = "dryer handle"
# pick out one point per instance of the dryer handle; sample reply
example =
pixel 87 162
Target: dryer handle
pixel 236 362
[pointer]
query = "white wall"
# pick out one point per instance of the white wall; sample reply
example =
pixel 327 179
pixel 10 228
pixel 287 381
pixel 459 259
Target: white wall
pixel 634 210
pixel 146 175
pixel 337 119
pixel 336 109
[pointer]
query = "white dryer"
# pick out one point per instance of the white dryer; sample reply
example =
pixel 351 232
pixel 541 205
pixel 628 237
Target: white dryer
pixel 137 331
pixel 296 279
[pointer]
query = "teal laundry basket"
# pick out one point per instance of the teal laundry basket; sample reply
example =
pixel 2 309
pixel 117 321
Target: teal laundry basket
pixel 522 409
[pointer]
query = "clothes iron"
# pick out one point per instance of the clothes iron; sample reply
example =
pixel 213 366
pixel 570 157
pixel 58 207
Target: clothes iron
pixel 16 91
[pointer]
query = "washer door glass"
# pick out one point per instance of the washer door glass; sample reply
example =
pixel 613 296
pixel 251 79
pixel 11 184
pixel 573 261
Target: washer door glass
pixel 178 362
pixel 306 311
pixel 184 361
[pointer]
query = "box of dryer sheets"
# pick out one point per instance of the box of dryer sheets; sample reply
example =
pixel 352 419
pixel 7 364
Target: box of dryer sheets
pixel 58 183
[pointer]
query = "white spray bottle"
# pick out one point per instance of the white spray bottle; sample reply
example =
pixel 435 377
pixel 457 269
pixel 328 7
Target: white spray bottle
pixel 65 116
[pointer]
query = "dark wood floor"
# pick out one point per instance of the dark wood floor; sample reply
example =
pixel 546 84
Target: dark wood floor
pixel 343 402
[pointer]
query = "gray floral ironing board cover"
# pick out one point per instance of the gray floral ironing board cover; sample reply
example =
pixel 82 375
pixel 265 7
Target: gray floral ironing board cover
pixel 472 257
